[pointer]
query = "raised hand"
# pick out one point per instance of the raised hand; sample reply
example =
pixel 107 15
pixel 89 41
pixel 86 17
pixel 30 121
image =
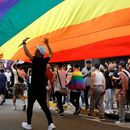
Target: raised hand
pixel 45 40
pixel 24 41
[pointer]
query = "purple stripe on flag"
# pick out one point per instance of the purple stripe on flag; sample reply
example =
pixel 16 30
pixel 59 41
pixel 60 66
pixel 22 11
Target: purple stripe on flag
pixel 5 5
pixel 1 1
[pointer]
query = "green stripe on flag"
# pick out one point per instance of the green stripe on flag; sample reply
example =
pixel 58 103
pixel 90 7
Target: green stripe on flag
pixel 21 15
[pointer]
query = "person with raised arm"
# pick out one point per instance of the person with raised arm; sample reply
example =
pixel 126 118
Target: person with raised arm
pixel 37 90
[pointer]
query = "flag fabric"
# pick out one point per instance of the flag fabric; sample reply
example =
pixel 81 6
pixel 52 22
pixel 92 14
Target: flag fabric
pixel 77 81
pixel 77 30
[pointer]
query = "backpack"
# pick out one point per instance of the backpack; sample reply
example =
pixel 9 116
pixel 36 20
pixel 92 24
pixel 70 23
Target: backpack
pixel 128 89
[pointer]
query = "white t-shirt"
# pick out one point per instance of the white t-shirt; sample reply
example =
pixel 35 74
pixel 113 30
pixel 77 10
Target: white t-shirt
pixel 87 72
pixel 15 77
pixel 62 75
pixel 8 75
pixel 99 78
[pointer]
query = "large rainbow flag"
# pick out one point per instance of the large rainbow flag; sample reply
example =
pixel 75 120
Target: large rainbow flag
pixel 77 30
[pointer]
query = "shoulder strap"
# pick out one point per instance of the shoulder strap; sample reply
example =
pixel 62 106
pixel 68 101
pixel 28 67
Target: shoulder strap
pixel 126 74
pixel 59 78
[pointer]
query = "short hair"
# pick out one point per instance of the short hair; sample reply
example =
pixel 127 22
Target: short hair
pixel 88 62
pixel 2 70
pixel 97 65
pixel 59 64
pixel 19 65
pixel 76 66
pixel 122 64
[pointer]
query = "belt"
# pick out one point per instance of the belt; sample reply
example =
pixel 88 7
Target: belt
pixel 97 85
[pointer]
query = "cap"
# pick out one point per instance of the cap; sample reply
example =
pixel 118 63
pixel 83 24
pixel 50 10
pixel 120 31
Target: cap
pixel 41 49
pixel 20 62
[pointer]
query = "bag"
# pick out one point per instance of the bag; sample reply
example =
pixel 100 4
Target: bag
pixel 63 91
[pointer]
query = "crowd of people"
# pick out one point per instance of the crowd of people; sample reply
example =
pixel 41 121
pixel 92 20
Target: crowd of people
pixel 98 86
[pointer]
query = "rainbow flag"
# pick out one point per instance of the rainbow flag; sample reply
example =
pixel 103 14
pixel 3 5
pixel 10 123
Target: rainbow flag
pixel 77 30
pixel 77 81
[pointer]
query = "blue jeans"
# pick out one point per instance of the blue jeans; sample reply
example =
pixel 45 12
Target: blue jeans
pixel 110 95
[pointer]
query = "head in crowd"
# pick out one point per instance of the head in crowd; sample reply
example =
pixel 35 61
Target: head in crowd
pixel 59 65
pixel 96 65
pixel 2 70
pixel 102 68
pixel 122 65
pixel 19 66
pixel 64 67
pixel 76 66
pixel 114 64
pixel 110 65
pixel 88 64
pixel 69 68
pixel 40 51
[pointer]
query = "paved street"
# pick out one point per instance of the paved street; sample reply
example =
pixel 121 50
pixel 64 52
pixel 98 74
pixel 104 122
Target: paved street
pixel 11 120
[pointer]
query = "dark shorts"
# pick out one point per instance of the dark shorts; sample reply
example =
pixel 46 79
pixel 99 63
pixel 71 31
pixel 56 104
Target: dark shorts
pixel 18 89
pixel 118 87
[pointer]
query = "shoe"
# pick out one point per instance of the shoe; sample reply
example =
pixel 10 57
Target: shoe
pixel 116 113
pixel 25 125
pixel 78 111
pixel 119 123
pixel 87 107
pixel 14 107
pixel 2 102
pixel 51 127
pixel 107 112
pixel 111 112
pixel 24 107
pixel 89 114
pixel 102 118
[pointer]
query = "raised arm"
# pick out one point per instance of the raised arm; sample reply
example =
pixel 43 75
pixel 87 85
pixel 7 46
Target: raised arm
pixel 48 46
pixel 26 51
pixel 12 66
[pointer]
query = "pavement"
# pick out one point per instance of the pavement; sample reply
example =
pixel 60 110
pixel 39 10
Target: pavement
pixel 70 109
pixel 11 119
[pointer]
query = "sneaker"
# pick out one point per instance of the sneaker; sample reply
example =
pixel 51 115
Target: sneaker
pixel 116 112
pixel 14 107
pixel 111 112
pixel 87 107
pixel 107 112
pixel 51 127
pixel 2 102
pixel 24 107
pixel 102 118
pixel 89 114
pixel 25 125
pixel 78 111
pixel 119 123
